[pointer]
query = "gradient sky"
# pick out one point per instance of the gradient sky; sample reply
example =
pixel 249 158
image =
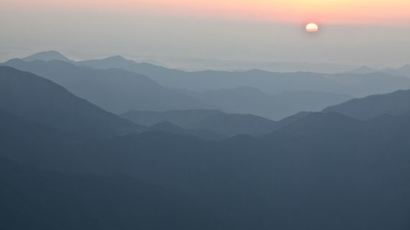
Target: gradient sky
pixel 368 32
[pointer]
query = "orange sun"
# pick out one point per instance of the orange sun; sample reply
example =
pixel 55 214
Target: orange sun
pixel 312 28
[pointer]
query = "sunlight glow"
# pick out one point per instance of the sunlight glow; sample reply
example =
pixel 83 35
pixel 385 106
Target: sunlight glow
pixel 293 11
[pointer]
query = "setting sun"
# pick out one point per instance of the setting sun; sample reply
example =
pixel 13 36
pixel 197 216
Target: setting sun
pixel 312 28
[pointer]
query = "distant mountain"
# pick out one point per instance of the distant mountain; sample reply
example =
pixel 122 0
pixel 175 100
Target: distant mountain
pixel 361 82
pixel 119 62
pixel 405 70
pixel 363 70
pixel 206 120
pixel 37 99
pixel 47 56
pixel 114 90
pixel 396 103
pixel 351 83
pixel 119 91
pixel 400 71
pixel 277 106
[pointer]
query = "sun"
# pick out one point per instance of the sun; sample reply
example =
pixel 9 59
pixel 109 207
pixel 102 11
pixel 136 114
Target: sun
pixel 312 28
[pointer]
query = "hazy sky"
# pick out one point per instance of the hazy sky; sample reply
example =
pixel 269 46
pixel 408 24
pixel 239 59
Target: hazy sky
pixel 367 32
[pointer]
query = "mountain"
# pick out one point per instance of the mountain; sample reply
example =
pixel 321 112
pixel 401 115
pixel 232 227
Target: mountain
pixel 36 199
pixel 182 118
pixel 114 90
pixel 324 170
pixel 206 120
pixel 119 62
pixel 405 70
pixel 168 127
pixel 47 56
pixel 119 91
pixel 37 99
pixel 401 71
pixel 34 143
pixel 249 100
pixel 363 70
pixel 360 83
pixel 396 103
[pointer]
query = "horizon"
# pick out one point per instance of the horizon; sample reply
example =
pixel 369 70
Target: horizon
pixel 229 65
pixel 184 34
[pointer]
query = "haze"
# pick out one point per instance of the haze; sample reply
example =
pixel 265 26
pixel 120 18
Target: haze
pixel 206 33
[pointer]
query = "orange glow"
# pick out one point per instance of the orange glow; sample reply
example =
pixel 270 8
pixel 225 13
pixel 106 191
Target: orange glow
pixel 294 11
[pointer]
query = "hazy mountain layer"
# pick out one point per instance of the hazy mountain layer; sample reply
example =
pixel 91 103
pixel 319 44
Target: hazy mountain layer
pixel 353 83
pixel 207 120
pixel 120 91
pixel 114 90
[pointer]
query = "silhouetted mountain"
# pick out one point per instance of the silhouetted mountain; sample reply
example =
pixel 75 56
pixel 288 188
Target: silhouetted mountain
pixel 324 170
pixel 396 103
pixel 34 143
pixel 43 101
pixel 33 199
pixel 47 56
pixel 114 90
pixel 206 120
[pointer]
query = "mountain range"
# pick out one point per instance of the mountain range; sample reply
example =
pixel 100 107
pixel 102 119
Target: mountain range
pixel 119 90
pixel 322 170
pixel 350 83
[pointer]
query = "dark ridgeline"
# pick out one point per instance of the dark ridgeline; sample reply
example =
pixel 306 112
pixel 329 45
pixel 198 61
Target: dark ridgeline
pixel 325 170
pixel 40 100
pixel 396 103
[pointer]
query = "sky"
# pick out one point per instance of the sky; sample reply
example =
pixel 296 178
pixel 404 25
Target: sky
pixel 353 32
